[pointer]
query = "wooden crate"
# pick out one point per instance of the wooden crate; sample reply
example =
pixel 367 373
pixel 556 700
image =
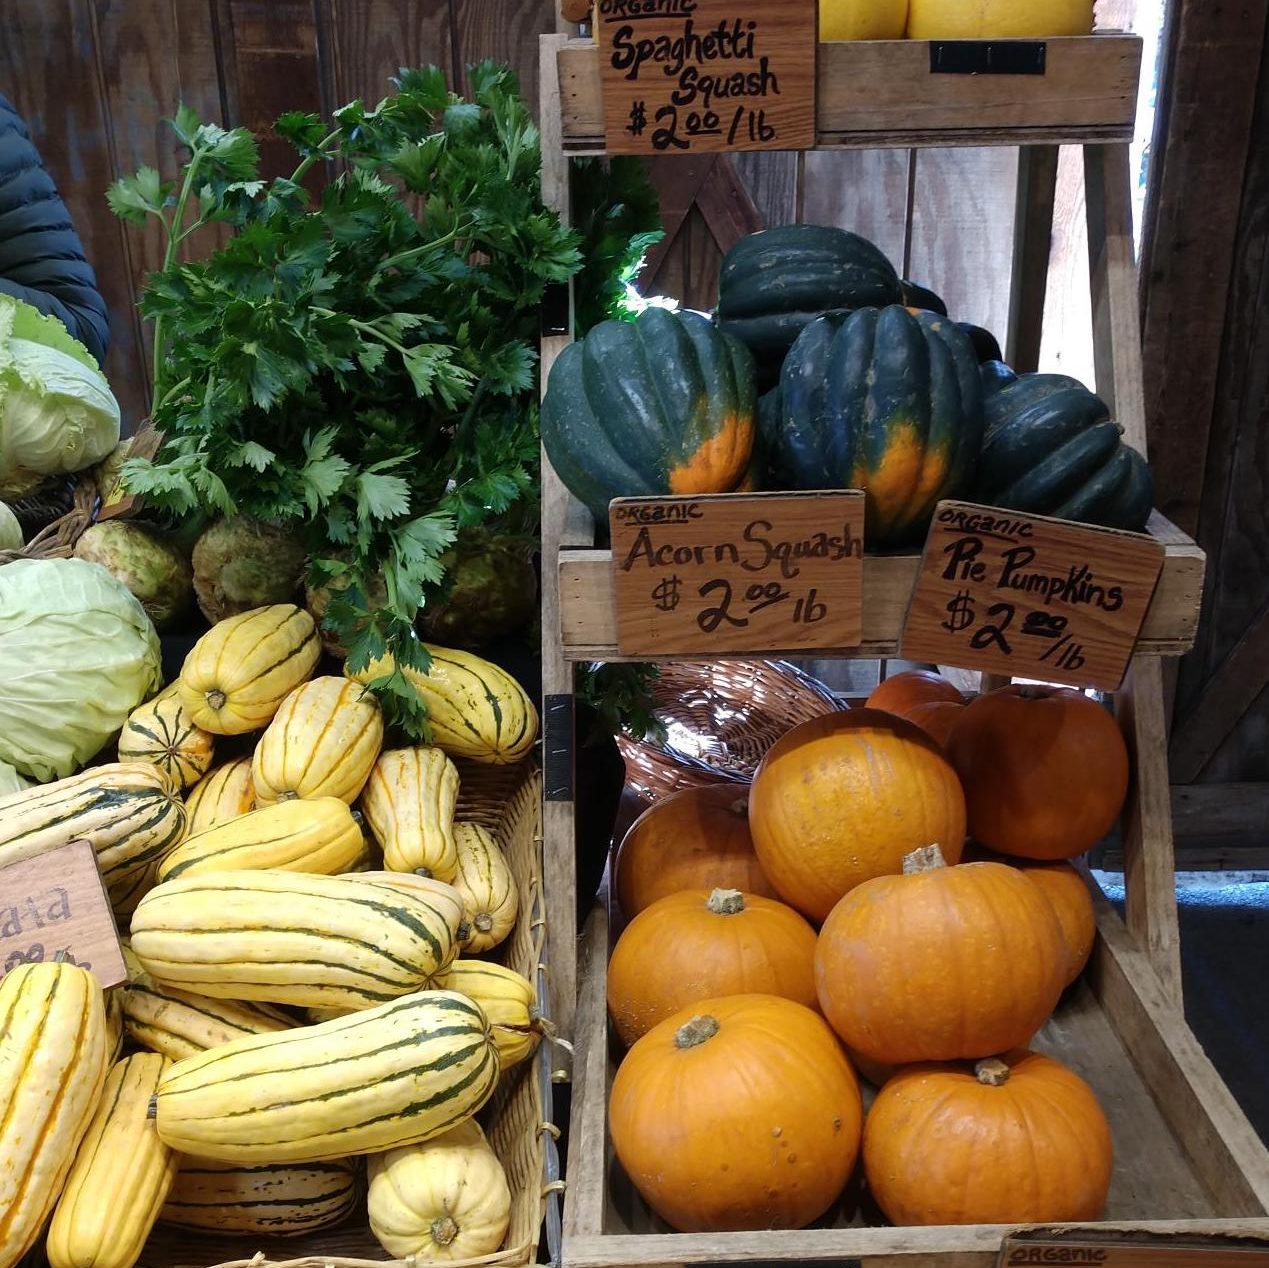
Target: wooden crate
pixel 1187 1162
pixel 508 801
pixel 883 93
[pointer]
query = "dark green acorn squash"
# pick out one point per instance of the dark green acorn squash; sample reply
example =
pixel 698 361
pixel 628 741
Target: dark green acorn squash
pixel 774 282
pixel 886 400
pixel 985 345
pixel 1051 448
pixel 917 296
pixel 663 404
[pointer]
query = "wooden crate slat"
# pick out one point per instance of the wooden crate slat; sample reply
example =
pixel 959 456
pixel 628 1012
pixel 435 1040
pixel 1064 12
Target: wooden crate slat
pixel 588 620
pixel 881 92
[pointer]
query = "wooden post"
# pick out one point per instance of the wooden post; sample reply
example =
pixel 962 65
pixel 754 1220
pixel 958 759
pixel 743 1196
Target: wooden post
pixel 558 818
pixel 1113 275
pixel 1033 235
pixel 1149 868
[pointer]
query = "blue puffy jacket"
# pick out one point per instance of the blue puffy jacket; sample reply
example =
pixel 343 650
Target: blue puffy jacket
pixel 41 258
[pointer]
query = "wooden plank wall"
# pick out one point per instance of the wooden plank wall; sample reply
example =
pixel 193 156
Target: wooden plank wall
pixel 94 79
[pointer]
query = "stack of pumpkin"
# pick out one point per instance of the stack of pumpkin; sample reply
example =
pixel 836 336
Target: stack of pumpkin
pixel 268 933
pixel 868 384
pixel 831 918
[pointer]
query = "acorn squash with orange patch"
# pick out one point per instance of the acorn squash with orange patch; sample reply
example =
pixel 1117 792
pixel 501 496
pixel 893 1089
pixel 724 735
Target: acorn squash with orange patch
pixel 887 400
pixel 663 404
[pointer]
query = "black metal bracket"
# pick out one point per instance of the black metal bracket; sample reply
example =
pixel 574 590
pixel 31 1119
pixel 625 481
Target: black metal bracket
pixel 558 743
pixel 988 57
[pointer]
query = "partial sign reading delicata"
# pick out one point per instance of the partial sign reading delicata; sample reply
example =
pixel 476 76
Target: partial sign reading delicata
pixel 726 573
pixel 1030 596
pixel 707 75
pixel 54 907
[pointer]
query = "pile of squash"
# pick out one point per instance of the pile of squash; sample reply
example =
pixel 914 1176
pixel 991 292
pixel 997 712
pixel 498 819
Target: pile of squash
pixel 822 368
pixel 312 895
pixel 892 895
pixel 953 19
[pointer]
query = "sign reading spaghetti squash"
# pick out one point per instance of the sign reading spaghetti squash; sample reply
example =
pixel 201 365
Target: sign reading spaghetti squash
pixel 686 76
pixel 1030 596
pixel 761 572
pixel 54 907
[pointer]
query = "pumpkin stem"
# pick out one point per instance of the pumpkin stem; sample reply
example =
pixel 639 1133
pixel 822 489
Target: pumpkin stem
pixel 425 872
pixel 726 902
pixel 152 1107
pixel 215 699
pixel 1032 691
pixel 289 795
pixel 926 859
pixel 992 1072
pixel 697 1031
pixel 740 806
pixel 483 922
pixel 444 1230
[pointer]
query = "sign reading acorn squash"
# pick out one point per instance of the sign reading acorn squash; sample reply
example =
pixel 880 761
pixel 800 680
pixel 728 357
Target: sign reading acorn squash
pixel 689 76
pixel 727 572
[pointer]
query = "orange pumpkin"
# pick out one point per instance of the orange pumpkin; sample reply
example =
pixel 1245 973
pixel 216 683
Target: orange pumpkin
pixel 1014 1140
pixel 842 798
pixel 697 838
pixel 1045 770
pixel 737 1113
pixel 1064 887
pixel 941 963
pixel 903 692
pixel 936 719
pixel 699 945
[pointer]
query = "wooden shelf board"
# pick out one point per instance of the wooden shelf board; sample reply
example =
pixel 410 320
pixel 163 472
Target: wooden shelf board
pixel 881 94
pixel 588 627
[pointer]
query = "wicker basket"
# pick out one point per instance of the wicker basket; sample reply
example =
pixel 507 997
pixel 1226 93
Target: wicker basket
pixel 508 801
pixel 722 716
pixel 58 513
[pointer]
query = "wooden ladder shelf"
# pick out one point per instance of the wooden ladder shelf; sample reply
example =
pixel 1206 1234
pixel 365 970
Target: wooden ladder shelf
pixel 1188 1162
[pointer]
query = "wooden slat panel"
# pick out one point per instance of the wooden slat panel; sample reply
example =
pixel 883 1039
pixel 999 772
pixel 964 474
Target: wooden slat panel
pixel 48 69
pixel 882 92
pixel 701 262
pixel 271 66
pixel 773 180
pixel 865 191
pixel 370 39
pixel 589 627
pixel 1066 343
pixel 1203 135
pixel 962 225
pixel 505 32
pixel 152 58
pixel 1032 249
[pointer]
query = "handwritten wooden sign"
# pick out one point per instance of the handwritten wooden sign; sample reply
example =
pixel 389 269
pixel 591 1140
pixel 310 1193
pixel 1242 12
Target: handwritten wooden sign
pixel 55 904
pixel 1030 596
pixel 738 572
pixel 1128 1251
pixel 684 76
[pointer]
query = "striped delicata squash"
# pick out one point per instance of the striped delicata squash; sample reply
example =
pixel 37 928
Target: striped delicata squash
pixel 292 938
pixel 222 794
pixel 322 742
pixel 474 708
pixel 491 897
pixel 179 1024
pixel 52 1066
pixel 506 998
pixel 442 1200
pixel 128 811
pixel 319 836
pixel 274 1199
pixel 241 670
pixel 408 1071
pixel 162 732
pixel 409 804
pixel 121 1176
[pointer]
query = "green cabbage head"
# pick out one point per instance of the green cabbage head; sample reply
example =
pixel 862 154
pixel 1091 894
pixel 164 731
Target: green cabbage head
pixel 57 412
pixel 77 655
pixel 11 782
